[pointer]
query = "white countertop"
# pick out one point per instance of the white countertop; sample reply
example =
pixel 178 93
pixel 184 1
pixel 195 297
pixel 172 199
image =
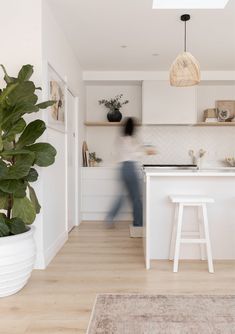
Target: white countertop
pixel 223 171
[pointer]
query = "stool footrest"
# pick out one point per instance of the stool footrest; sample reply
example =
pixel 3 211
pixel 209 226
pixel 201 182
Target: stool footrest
pixel 193 241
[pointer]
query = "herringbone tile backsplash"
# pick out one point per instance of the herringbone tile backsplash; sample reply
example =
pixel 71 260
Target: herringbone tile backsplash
pixel 171 142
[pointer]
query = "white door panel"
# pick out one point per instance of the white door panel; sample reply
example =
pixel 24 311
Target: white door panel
pixel 71 162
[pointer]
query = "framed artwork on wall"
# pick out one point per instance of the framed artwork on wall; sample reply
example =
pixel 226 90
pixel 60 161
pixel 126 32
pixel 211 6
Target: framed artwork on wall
pixel 56 92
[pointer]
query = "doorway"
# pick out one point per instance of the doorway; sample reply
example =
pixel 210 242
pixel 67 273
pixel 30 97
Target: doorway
pixel 72 163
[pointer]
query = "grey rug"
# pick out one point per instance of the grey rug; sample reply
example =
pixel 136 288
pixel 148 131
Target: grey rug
pixel 158 314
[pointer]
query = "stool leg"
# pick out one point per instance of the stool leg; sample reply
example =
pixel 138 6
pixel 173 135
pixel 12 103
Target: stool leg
pixel 178 237
pixel 207 237
pixel 201 233
pixel 173 234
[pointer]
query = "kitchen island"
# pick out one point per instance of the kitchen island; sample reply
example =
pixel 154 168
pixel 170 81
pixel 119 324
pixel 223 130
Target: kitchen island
pixel 159 211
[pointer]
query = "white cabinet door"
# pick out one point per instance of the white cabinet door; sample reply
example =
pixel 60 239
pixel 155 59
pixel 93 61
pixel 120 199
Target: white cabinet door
pixel 101 187
pixel 164 104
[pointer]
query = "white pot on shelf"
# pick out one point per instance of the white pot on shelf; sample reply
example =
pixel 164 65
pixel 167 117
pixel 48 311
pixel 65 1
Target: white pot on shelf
pixel 17 258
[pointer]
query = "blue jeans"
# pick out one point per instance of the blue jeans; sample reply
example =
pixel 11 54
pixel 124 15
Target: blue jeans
pixel 130 179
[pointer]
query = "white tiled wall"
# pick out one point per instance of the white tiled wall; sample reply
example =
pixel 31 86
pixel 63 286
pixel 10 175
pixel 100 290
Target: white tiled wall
pixel 172 143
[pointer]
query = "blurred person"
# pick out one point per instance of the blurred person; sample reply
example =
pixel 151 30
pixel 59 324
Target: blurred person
pixel 130 152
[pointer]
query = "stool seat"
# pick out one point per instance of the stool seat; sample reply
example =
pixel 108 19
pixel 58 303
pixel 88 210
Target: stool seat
pixel 190 199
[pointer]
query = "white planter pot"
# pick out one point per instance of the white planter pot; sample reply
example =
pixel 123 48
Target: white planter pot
pixel 17 257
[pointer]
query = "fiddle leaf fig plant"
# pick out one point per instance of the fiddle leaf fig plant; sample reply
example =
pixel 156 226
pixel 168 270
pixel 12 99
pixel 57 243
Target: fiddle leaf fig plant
pixel 19 154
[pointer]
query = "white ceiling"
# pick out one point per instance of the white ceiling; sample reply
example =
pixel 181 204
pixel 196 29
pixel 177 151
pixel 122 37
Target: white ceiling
pixel 97 29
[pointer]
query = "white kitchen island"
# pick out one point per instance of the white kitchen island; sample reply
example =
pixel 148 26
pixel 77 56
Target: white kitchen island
pixel 159 211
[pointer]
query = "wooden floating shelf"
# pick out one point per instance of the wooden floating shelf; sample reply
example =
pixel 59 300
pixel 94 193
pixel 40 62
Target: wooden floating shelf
pixel 195 124
pixel 103 123
pixel 215 124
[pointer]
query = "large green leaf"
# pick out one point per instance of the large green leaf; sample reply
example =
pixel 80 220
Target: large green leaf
pixel 8 146
pixel 46 104
pixel 18 155
pixel 9 153
pixel 32 175
pixel 3 200
pixel 44 154
pixel 25 72
pixel 17 127
pixel 13 187
pixel 7 78
pixel 24 209
pixel 17 226
pixel 7 91
pixel 1 141
pixel 24 92
pixel 21 168
pixel 34 199
pixel 21 192
pixel 9 186
pixel 12 114
pixel 4 229
pixel 31 133
pixel 3 169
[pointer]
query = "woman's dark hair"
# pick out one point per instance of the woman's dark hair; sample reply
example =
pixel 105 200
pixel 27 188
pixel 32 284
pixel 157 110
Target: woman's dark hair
pixel 129 127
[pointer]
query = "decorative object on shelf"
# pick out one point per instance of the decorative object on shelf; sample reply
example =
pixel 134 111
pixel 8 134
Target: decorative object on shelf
pixel 114 105
pixel 85 160
pixel 185 70
pixel 224 115
pixel 225 110
pixel 93 159
pixel 210 115
pixel 197 158
pixel 211 120
pixel 57 92
pixel 230 161
pixel 18 157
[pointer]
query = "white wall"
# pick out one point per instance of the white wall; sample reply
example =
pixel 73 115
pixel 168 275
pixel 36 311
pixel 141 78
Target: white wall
pixel 20 25
pixel 30 35
pixel 21 36
pixel 57 52
pixel 94 93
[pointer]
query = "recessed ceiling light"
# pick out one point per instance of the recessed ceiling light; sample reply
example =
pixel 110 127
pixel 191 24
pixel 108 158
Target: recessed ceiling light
pixel 189 4
pixel 123 46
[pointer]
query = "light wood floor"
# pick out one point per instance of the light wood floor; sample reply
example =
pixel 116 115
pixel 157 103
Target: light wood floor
pixel 95 260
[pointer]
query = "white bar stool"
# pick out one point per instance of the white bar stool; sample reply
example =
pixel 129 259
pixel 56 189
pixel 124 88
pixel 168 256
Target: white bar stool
pixel 178 236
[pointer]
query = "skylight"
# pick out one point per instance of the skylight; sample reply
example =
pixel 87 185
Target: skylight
pixel 189 4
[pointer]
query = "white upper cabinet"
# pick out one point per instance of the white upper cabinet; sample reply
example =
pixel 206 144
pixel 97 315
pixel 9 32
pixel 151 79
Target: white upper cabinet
pixel 164 104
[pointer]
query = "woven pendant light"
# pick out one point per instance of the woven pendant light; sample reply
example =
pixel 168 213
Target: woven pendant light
pixel 185 70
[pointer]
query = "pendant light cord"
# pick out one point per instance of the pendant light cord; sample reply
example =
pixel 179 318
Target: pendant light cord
pixel 185 18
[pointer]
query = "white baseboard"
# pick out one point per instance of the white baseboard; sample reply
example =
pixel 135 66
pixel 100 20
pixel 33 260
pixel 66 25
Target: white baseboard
pixel 51 252
pixel 40 261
